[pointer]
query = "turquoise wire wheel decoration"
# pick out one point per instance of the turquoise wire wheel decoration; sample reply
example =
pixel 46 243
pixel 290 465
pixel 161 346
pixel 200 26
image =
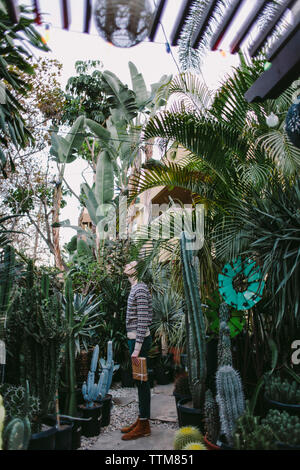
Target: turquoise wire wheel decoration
pixel 292 123
pixel 241 284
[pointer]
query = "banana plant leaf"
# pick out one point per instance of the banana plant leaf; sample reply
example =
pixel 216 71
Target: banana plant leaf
pixel 64 149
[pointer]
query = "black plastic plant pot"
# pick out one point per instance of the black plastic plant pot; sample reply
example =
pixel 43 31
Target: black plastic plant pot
pixel 179 397
pixel 284 446
pixel 68 436
pixel 162 376
pixel 44 440
pixel 63 437
pixel 277 405
pixel 106 403
pixel 188 416
pixel 92 427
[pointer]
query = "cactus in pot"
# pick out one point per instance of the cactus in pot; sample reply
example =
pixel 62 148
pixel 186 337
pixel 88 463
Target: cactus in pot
pixel 91 391
pixel 230 399
pixel 195 324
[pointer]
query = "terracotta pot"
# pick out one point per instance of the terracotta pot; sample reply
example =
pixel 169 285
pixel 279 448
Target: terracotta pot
pixel 210 445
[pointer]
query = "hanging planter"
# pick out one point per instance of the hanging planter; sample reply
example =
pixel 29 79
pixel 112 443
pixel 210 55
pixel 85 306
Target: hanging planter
pixel 124 23
pixel 292 123
pixel 241 284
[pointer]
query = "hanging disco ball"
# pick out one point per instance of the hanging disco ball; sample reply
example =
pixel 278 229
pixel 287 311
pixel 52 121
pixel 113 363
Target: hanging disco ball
pixel 292 123
pixel 124 23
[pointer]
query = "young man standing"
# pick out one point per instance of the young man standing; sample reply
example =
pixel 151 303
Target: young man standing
pixel 138 320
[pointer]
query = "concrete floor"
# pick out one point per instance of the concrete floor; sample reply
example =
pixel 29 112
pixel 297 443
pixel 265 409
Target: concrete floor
pixel 162 409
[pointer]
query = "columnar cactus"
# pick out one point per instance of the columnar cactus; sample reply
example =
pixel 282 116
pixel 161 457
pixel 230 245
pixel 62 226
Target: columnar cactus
pixel 230 399
pixel 71 408
pixel 2 418
pixel 211 417
pixel 108 367
pixel 224 346
pixel 196 326
pixel 91 391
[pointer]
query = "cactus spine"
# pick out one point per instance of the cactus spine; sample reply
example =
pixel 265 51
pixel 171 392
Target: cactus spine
pixel 185 435
pixel 230 399
pixel 195 325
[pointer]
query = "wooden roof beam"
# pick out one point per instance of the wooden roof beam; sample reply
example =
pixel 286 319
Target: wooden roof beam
pixel 87 16
pixel 65 14
pixel 13 10
pixel 285 69
pixel 156 19
pixel 283 41
pixel 204 23
pixel 182 16
pixel 224 25
pixel 263 37
pixel 238 39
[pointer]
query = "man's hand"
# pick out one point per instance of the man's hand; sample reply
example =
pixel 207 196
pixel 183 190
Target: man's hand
pixel 135 355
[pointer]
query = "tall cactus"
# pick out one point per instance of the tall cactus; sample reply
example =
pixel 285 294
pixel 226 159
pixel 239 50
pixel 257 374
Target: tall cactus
pixel 230 399
pixel 108 368
pixel 196 326
pixel 2 418
pixel 91 391
pixel 71 407
pixel 224 346
pixel 211 417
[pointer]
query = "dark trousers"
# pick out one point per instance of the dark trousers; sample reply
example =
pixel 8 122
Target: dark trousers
pixel 144 391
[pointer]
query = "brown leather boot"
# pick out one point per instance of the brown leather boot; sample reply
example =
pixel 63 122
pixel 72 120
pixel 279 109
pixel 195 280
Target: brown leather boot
pixel 142 429
pixel 129 428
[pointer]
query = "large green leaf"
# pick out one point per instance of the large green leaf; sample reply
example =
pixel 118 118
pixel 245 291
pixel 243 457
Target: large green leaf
pixel 64 149
pixel 139 87
pixel 104 187
pixel 121 99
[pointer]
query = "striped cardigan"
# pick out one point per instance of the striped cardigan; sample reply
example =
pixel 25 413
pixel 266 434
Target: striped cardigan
pixel 139 312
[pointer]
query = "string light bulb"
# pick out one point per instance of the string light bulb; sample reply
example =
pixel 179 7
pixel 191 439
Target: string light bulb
pixel 272 120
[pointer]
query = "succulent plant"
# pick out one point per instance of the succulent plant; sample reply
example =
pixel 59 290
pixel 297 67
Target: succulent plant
pixel 14 400
pixel 195 325
pixel 283 391
pixel 182 385
pixel 230 399
pixel 186 435
pixel 14 435
pixel 194 446
pixel 224 346
pixel 211 417
pixel 253 433
pixel 2 418
pixel 285 428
